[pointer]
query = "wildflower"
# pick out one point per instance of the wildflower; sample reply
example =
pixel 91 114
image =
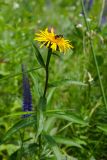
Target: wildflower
pixel 104 15
pixel 88 4
pixel 88 20
pixel 16 5
pixel 27 98
pixel 90 78
pixel 79 25
pixel 103 20
pixel 81 14
pixel 52 40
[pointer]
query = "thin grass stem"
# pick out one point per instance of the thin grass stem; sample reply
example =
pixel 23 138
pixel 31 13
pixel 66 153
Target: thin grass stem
pixel 18 74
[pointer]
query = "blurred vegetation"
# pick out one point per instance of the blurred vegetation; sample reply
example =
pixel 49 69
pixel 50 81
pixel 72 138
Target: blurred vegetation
pixel 76 118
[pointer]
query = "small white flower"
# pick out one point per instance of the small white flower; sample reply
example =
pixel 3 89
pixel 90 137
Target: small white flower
pixel 88 19
pixel 16 5
pixel 80 15
pixel 79 25
pixel 90 79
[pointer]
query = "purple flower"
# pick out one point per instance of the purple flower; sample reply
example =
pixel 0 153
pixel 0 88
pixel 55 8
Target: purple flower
pixel 27 98
pixel 104 15
pixel 103 20
pixel 88 4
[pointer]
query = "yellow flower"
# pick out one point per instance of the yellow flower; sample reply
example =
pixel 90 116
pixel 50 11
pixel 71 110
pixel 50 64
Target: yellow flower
pixel 53 41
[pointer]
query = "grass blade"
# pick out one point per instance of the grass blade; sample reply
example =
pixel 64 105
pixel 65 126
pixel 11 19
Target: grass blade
pixel 66 82
pixel 16 127
pixel 69 117
pixel 54 146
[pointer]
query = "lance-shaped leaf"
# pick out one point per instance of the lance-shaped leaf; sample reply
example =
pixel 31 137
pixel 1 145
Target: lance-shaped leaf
pixel 50 140
pixel 16 127
pixel 38 56
pixel 103 127
pixel 40 120
pixel 66 82
pixel 70 142
pixel 68 117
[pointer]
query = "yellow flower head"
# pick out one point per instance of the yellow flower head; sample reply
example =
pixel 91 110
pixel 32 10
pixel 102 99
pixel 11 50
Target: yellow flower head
pixel 53 41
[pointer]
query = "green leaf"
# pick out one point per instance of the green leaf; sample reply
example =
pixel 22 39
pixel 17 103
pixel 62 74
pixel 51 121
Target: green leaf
pixel 36 81
pixel 16 127
pixel 49 124
pixel 69 117
pixel 18 74
pixel 38 56
pixel 54 146
pixel 67 141
pixel 9 148
pixel 103 128
pixel 42 103
pixel 66 82
pixel 40 120
pixel 14 155
pixel 16 114
pixel 49 97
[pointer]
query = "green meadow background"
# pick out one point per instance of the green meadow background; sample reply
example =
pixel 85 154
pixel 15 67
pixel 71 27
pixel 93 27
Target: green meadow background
pixel 75 126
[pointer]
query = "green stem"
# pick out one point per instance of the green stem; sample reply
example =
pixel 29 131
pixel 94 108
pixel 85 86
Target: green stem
pixel 44 94
pixel 40 146
pixel 94 56
pixel 22 139
pixel 47 71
